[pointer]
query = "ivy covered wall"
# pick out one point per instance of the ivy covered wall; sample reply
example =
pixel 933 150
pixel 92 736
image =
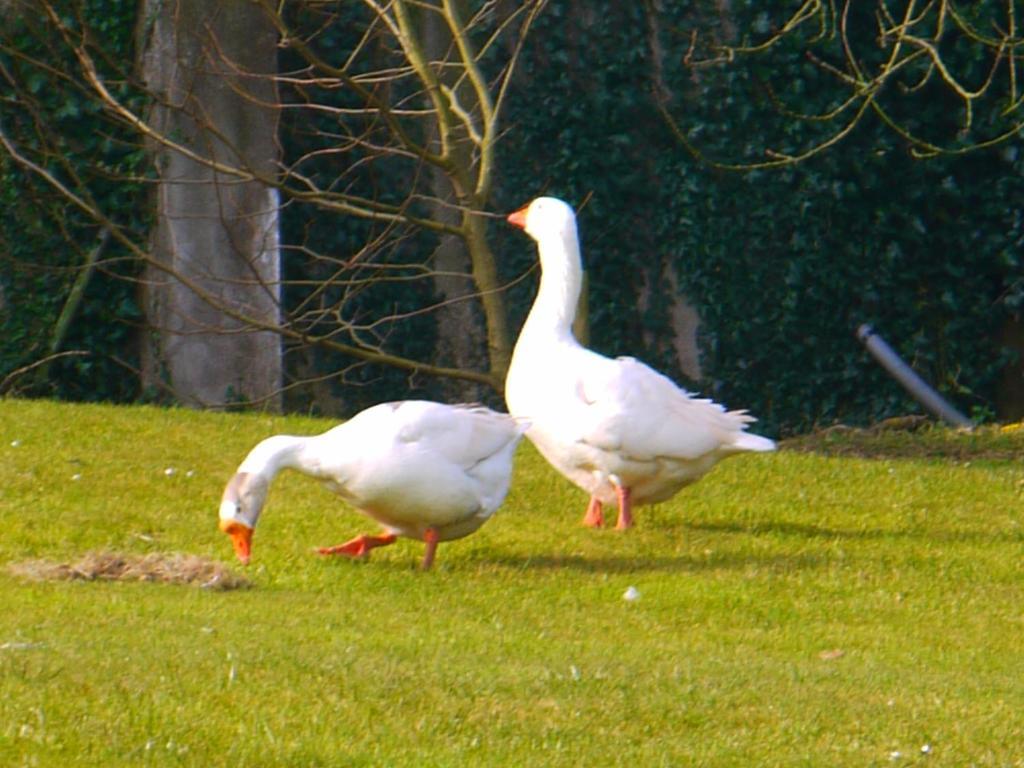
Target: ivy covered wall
pixel 45 243
pixel 781 265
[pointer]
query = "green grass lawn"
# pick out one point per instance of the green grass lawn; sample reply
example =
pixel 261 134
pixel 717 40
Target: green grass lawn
pixel 795 609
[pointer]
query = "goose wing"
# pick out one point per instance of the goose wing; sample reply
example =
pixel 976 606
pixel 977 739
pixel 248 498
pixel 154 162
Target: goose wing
pixel 629 408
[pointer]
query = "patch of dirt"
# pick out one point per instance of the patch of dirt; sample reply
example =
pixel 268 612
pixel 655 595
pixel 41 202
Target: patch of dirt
pixel 914 437
pixel 166 568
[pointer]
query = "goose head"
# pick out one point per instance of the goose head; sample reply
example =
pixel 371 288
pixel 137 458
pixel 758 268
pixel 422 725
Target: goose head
pixel 240 508
pixel 552 225
pixel 545 217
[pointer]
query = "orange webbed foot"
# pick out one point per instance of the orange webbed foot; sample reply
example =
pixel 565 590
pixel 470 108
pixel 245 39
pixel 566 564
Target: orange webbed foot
pixel 593 518
pixel 360 546
pixel 430 537
pixel 625 508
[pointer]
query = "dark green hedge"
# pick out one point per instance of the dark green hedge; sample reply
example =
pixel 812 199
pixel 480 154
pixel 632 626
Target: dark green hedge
pixel 782 265
pixel 44 241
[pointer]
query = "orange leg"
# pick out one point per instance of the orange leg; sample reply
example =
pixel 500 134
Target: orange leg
pixel 625 508
pixel 593 518
pixel 360 546
pixel 430 537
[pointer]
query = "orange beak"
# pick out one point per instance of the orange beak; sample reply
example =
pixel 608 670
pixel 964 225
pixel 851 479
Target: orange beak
pixel 241 538
pixel 518 218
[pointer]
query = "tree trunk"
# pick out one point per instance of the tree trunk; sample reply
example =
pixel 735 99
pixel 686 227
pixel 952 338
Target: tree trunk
pixel 209 65
pixel 1010 387
pixel 460 333
pixel 461 329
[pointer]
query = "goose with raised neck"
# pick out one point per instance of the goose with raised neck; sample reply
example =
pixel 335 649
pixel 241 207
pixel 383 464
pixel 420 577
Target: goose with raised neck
pixel 621 431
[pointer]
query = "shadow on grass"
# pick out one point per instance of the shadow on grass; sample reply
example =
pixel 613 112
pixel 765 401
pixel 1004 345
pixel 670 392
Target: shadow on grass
pixel 806 531
pixel 662 564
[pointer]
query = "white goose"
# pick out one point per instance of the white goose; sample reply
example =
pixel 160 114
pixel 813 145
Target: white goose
pixel 422 470
pixel 616 428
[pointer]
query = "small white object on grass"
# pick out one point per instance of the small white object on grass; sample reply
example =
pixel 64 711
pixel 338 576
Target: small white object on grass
pixel 631 594
pixel 16 646
pixel 15 443
pixel 895 755
pixel 170 471
pixel 76 476
pixel 926 749
pixel 213 582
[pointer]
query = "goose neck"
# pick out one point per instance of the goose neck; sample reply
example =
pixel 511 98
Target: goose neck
pixel 560 283
pixel 274 454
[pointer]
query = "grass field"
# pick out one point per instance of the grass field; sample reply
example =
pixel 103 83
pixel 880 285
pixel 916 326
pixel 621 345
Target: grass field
pixel 794 609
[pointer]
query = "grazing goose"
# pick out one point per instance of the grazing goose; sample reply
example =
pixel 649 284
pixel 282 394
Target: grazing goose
pixel 422 470
pixel 621 431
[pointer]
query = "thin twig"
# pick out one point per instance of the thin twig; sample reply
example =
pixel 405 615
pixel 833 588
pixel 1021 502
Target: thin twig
pixel 5 385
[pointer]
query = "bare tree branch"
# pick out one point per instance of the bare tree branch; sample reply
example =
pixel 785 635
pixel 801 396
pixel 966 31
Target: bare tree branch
pixel 937 44
pixel 392 140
